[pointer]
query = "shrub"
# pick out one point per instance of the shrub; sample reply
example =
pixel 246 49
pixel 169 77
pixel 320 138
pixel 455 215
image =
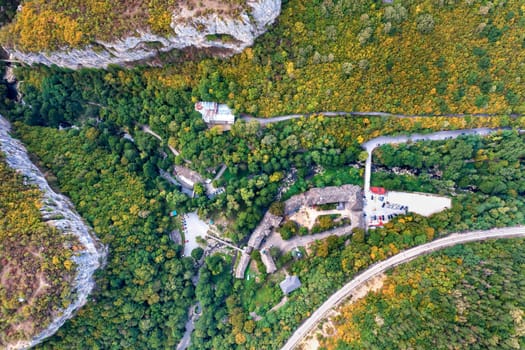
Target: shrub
pixel 425 23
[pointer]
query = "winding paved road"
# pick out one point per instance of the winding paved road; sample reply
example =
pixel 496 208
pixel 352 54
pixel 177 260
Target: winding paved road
pixel 380 267
pixel 275 239
pixel 264 121
pixel 370 145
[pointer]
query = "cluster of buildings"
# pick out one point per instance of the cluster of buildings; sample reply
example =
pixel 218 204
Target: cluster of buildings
pixel 188 178
pixel 263 230
pixel 343 195
pixel 332 194
pixel 212 113
pixel 215 113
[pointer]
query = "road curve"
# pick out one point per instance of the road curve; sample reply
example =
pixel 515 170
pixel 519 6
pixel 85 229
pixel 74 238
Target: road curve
pixel 370 145
pixel 382 266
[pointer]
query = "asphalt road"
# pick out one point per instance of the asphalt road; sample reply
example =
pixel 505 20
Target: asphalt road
pixel 275 239
pixel 380 267
pixel 270 120
pixel 370 145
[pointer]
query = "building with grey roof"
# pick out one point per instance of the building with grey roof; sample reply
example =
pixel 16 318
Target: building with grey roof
pixel 325 195
pixel 242 265
pixel 215 113
pixel 267 260
pixel 264 229
pixel 187 177
pixel 289 284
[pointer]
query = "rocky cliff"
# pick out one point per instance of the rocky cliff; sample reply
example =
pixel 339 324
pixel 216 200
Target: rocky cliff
pixel 58 211
pixel 189 27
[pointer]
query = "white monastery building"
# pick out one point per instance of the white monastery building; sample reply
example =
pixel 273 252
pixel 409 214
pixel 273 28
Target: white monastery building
pixel 215 113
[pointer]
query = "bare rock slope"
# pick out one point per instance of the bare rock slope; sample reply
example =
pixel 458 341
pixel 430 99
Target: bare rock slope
pixel 200 29
pixel 59 212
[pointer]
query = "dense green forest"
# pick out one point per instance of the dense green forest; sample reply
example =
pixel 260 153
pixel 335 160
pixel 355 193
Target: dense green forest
pixel 144 291
pixel 36 267
pixel 7 11
pixel 465 297
pixel 412 57
pixel 118 171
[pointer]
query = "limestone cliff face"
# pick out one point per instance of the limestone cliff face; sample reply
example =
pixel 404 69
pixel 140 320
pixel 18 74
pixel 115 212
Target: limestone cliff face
pixel 189 29
pixel 59 212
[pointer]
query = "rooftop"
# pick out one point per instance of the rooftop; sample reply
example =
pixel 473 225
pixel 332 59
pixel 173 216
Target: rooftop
pixel 264 228
pixel 187 176
pixel 242 265
pixel 289 284
pixel 215 113
pixel 316 196
pixel 267 260
pixel 377 190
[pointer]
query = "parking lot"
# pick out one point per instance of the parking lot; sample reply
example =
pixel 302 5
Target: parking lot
pixel 381 208
pixel 193 227
pixel 420 203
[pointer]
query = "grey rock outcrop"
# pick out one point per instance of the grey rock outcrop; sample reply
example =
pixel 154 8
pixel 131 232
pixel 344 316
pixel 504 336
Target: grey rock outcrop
pixel 58 211
pixel 189 29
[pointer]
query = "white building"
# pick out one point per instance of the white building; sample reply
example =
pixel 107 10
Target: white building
pixel 214 113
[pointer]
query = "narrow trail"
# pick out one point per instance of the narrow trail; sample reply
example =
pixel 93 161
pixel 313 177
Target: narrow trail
pixel 148 130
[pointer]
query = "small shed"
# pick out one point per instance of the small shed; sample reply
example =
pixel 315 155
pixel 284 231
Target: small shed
pixel 289 284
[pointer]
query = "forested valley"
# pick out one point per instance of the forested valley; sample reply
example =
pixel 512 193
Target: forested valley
pixel 86 129
pixel 465 297
pixel 115 184
pixel 144 291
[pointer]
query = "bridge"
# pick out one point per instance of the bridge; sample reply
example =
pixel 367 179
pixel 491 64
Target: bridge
pixel 222 241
